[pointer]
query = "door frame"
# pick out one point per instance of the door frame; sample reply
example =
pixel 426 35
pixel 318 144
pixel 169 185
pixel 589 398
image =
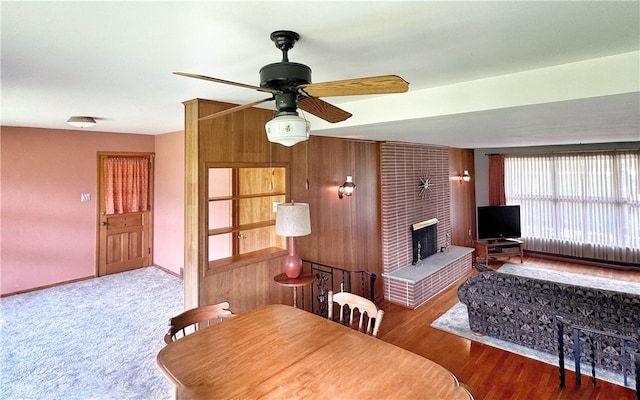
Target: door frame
pixel 148 221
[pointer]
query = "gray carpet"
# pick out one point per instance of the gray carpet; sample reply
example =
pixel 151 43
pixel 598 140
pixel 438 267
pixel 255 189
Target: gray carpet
pixel 456 319
pixel 95 339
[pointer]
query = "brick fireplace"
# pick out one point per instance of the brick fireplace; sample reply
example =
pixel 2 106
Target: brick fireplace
pixel 403 166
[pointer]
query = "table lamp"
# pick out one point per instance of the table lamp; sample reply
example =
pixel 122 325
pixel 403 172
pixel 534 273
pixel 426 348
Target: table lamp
pixel 292 220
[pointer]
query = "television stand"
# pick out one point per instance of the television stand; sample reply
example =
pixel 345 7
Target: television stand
pixel 497 249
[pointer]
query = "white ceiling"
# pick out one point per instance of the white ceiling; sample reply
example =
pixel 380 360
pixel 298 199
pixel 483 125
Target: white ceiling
pixel 481 74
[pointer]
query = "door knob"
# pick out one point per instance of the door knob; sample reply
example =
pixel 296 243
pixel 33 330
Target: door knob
pixel 103 223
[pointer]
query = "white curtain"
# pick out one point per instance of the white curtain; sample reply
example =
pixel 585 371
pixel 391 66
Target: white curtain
pixel 584 205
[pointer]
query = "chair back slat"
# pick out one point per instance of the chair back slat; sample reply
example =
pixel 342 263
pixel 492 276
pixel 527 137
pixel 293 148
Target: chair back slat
pixel 355 302
pixel 192 320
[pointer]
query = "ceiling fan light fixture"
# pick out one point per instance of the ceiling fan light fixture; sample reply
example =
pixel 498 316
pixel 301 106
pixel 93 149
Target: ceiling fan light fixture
pixel 291 88
pixel 287 129
pixel 81 122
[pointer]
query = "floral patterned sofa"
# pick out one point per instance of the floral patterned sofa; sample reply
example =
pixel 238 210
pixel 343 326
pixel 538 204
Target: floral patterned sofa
pixel 523 311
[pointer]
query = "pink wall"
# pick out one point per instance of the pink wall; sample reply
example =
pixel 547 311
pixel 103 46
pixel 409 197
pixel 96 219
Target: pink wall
pixel 47 235
pixel 168 226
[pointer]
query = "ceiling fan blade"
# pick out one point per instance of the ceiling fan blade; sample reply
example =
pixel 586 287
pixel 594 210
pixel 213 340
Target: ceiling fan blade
pixel 322 109
pixel 233 109
pixel 244 85
pixel 350 87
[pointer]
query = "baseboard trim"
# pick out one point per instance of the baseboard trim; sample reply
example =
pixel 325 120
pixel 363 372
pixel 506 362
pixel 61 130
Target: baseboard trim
pixel 47 286
pixel 583 261
pixel 168 271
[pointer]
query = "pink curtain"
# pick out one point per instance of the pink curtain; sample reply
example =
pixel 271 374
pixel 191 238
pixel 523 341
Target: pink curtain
pixel 496 180
pixel 126 184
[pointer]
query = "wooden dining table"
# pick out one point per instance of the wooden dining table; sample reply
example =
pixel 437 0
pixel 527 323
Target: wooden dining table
pixel 278 351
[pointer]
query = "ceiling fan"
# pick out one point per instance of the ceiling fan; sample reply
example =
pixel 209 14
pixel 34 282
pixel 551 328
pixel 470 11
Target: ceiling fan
pixel 289 85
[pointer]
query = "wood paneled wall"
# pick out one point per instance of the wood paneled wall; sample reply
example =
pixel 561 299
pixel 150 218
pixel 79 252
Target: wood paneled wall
pixel 236 138
pixel 463 198
pixel 345 233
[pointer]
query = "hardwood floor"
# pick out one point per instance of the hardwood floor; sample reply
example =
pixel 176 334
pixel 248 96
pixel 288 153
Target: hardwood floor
pixel 489 373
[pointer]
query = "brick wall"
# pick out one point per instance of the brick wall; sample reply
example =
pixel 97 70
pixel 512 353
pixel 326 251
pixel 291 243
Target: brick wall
pixel 403 165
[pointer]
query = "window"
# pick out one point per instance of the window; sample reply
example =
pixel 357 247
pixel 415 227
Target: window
pixel 241 219
pixel 583 205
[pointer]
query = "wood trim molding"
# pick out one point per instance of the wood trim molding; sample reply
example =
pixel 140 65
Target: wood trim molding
pixel 48 286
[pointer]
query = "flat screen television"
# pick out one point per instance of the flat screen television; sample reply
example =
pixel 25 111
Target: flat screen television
pixel 499 222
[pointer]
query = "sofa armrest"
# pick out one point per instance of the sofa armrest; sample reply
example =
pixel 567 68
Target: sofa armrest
pixel 469 288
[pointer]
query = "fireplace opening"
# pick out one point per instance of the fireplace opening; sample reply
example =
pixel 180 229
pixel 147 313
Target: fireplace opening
pixel 424 238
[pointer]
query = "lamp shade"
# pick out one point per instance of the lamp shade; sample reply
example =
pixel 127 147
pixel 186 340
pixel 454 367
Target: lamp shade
pixel 288 129
pixel 292 219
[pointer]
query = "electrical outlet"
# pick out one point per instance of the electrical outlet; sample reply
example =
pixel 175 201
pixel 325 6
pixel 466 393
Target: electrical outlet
pixel 85 196
pixel 275 206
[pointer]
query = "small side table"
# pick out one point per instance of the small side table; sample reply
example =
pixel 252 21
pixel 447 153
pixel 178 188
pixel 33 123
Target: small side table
pixel 502 248
pixel 303 280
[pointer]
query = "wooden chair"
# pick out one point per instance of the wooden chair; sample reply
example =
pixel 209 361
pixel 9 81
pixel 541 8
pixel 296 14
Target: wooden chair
pixel 192 320
pixel 364 306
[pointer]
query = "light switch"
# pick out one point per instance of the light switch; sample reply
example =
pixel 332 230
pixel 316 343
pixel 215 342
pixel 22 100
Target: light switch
pixel 85 197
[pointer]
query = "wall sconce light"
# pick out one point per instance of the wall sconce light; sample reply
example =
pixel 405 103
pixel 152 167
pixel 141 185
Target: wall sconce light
pixel 347 188
pixel 465 176
pixel 292 220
